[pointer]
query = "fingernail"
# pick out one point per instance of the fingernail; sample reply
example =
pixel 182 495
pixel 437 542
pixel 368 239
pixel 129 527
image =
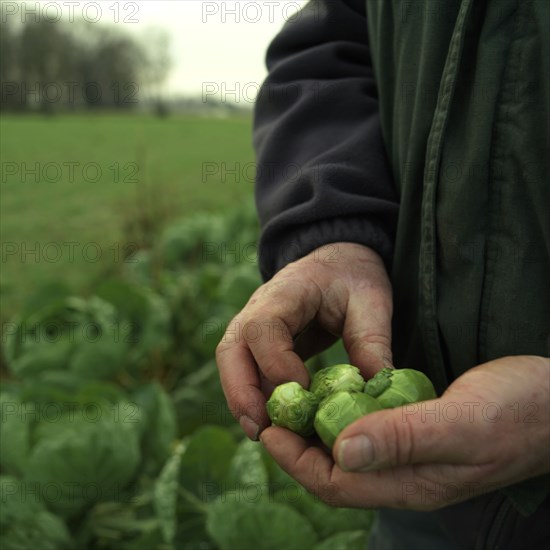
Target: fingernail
pixel 251 429
pixel 355 453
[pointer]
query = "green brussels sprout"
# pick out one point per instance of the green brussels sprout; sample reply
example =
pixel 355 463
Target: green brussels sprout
pixel 337 378
pixel 339 410
pixel 397 387
pixel 292 407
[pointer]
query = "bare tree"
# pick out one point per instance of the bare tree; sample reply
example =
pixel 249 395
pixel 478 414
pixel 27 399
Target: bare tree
pixel 157 64
pixel 9 71
pixel 46 64
pixel 49 65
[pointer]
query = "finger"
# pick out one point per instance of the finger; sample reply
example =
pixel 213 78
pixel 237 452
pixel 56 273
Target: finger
pixel 412 434
pixel 361 313
pixel 314 469
pixel 421 487
pixel 367 330
pixel 311 466
pixel 242 385
pixel 270 323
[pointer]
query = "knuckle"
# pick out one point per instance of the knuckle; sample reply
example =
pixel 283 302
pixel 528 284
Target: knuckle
pixel 222 348
pixel 273 288
pixel 232 393
pixel 271 369
pixel 240 400
pixel 371 343
pixel 372 348
pixel 398 440
pixel 329 494
pixel 322 485
pixel 268 369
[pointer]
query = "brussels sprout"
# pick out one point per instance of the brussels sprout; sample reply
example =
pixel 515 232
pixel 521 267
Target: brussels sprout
pixel 292 407
pixel 397 387
pixel 339 410
pixel 337 378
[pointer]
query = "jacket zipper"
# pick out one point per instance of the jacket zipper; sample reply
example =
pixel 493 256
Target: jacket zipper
pixel 428 230
pixel 493 534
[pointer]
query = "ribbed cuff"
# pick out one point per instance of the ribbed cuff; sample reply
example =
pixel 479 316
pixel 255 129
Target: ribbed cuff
pixel 275 253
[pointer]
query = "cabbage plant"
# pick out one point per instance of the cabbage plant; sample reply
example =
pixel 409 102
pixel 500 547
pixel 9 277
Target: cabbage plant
pixel 87 455
pixel 121 327
pixel 26 523
pixel 80 447
pixel 145 314
pixel 73 335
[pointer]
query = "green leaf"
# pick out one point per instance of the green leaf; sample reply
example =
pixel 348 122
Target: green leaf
pixel 146 313
pixel 45 295
pixel 158 430
pixel 86 455
pixel 199 400
pixel 24 521
pixel 325 519
pixel 248 467
pixel 239 284
pixel 398 387
pixel 14 434
pixel 99 393
pixel 335 379
pixel 194 474
pixel 335 355
pixel 206 461
pixel 261 526
pixel 347 540
pixel 210 330
pixel 141 269
pixel 166 495
pixel 194 240
pixel 279 480
pixel 73 335
pixel 120 525
pixel 192 533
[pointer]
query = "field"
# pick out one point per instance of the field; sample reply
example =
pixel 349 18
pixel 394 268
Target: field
pixel 119 311
pixel 77 190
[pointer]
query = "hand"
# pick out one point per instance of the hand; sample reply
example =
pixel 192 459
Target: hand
pixel 490 429
pixel 339 290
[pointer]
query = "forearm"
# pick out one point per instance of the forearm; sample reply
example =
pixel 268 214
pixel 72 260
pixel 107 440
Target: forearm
pixel 323 175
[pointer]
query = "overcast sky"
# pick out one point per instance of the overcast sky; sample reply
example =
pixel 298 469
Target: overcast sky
pixel 214 44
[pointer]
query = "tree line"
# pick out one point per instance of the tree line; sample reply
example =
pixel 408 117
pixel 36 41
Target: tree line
pixel 51 66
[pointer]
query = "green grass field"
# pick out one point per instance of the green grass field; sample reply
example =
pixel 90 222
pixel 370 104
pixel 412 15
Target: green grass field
pixel 72 186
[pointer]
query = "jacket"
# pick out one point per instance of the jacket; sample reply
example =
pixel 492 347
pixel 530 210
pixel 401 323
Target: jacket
pixel 420 128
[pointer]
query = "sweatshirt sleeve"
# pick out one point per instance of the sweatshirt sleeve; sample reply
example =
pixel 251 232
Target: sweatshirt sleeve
pixel 322 171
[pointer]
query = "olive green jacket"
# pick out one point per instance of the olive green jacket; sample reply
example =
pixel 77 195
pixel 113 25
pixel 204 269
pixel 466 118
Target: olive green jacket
pixel 464 92
pixel 458 92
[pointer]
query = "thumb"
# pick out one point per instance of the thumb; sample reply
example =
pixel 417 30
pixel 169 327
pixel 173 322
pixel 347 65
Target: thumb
pixel 412 434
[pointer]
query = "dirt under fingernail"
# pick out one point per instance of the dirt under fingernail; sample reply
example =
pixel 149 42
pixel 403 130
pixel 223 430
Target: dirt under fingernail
pixel 251 429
